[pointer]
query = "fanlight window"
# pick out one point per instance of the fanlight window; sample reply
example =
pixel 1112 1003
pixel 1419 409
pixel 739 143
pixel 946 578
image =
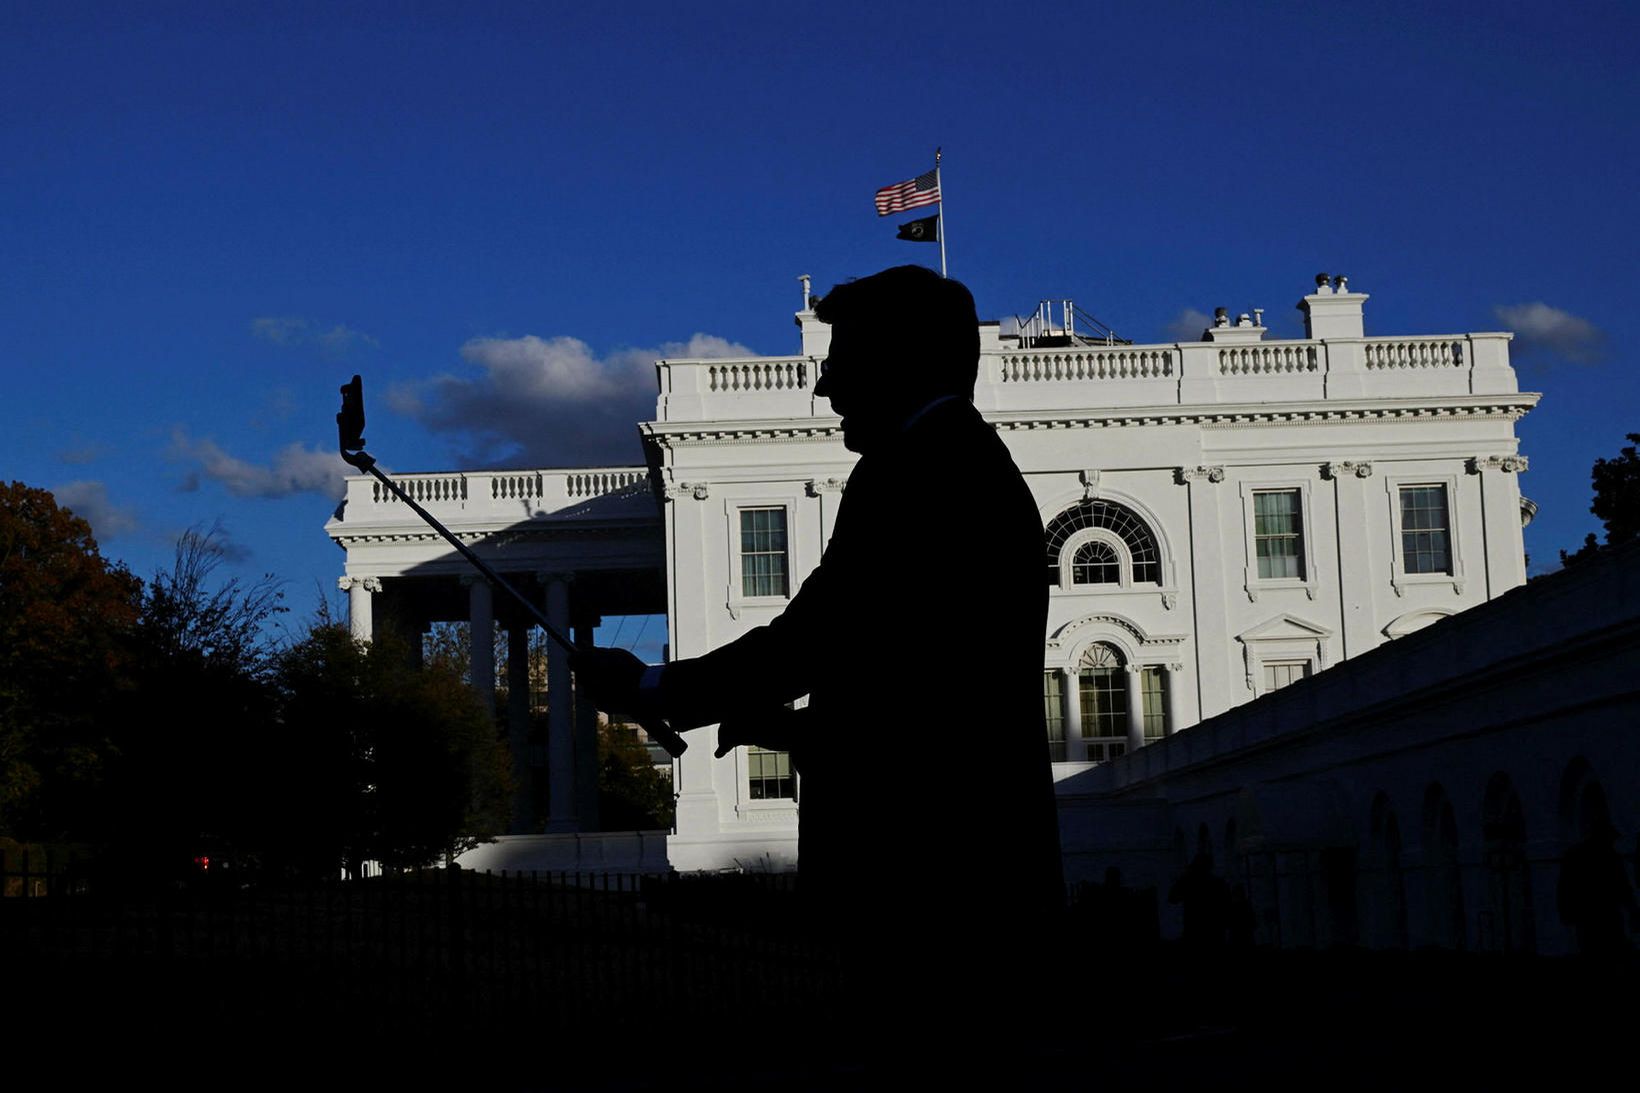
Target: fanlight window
pixel 1096 562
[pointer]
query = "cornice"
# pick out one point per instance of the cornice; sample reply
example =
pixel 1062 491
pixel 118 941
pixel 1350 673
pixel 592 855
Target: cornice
pixel 1510 407
pixel 498 537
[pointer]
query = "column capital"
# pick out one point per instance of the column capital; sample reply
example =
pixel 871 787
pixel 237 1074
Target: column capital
pixel 1213 474
pixel 366 584
pixel 700 491
pixel 548 576
pixel 1360 468
pixel 1509 464
pixel 814 487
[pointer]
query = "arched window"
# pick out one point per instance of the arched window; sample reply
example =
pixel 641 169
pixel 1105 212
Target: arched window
pixel 1102 687
pixel 1508 874
pixel 1096 563
pixel 1120 521
pixel 1443 888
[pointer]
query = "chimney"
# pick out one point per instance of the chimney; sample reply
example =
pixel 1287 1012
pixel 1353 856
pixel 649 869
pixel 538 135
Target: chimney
pixel 1332 310
pixel 816 334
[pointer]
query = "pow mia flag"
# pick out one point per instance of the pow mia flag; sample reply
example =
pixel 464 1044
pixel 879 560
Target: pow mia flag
pixel 926 230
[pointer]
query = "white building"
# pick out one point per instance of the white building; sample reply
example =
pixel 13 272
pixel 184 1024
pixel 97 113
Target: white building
pixel 1221 518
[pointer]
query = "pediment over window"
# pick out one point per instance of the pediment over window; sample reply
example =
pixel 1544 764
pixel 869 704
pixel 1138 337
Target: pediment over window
pixel 1285 627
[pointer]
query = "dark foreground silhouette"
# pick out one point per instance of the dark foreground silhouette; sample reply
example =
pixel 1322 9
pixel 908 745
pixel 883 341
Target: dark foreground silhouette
pixel 918 641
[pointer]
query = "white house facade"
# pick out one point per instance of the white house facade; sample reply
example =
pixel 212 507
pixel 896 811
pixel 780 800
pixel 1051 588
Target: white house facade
pixel 1221 518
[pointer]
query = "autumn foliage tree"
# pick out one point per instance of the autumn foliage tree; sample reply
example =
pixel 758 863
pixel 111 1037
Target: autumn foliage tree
pixel 165 722
pixel 66 619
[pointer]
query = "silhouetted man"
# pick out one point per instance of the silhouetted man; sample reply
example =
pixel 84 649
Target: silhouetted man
pixel 928 834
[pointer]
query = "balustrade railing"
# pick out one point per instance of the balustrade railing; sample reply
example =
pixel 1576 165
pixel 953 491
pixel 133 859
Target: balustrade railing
pixel 545 490
pixel 1387 353
pixel 598 483
pixel 1276 358
pixel 423 488
pixel 523 485
pixel 1073 364
pixel 747 376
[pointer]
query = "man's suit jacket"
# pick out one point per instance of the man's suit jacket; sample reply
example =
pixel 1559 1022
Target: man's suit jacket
pixel 924 757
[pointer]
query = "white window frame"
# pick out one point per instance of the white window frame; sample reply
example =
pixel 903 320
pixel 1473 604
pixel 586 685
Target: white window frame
pixel 1251 581
pixel 1399 578
pixel 1308 644
pixel 1124 561
pixel 735 597
pixel 765 811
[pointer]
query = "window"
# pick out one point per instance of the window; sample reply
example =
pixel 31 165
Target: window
pixel 1096 563
pixel 1053 709
pixel 763 552
pixel 769 774
pixel 1425 545
pixel 1278 534
pixel 1283 672
pixel 1155 704
pixel 1102 683
pixel 1090 561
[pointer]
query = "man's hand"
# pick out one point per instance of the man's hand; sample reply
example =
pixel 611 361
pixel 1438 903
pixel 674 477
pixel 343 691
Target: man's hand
pixel 777 729
pixel 609 678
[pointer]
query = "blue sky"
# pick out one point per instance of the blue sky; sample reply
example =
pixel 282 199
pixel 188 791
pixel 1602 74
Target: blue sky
pixel 211 215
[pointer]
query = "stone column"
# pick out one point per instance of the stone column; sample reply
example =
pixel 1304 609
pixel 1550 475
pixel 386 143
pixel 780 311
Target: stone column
pixel 1172 680
pixel 360 619
pixel 1070 695
pixel 481 639
pixel 1500 519
pixel 586 748
pixel 1210 591
pixel 518 727
pixel 830 493
pixel 700 806
pixel 1360 574
pixel 1136 707
pixel 560 713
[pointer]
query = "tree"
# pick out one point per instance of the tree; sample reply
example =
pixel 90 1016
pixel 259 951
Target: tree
pixel 633 795
pixel 66 614
pixel 398 764
pixel 198 715
pixel 1616 485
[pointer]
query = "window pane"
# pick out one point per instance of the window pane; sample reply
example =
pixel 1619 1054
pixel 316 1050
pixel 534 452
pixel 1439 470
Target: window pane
pixel 1283 673
pixel 1424 544
pixel 763 552
pixel 1278 534
pixel 1053 710
pixel 1155 707
pixel 769 774
pixel 1096 563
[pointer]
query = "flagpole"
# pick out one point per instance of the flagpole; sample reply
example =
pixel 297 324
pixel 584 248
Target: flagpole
pixel 939 185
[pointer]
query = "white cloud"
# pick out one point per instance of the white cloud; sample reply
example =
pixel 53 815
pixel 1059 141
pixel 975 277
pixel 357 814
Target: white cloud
pixel 296 333
pixel 548 401
pixel 295 469
pixel 1187 325
pixel 1544 330
pixel 88 499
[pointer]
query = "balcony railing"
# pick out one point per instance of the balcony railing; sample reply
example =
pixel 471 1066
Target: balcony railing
pixel 578 492
pixel 1082 377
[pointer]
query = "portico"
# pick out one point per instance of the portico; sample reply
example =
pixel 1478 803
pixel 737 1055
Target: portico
pixel 583 544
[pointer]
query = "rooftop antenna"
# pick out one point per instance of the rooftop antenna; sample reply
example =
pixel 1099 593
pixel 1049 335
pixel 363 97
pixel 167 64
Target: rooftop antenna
pixel 350 437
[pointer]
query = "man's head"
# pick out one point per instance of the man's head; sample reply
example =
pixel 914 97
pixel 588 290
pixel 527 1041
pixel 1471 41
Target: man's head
pixel 899 339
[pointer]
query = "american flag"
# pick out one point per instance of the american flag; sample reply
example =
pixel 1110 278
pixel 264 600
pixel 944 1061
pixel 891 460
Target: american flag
pixel 914 194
